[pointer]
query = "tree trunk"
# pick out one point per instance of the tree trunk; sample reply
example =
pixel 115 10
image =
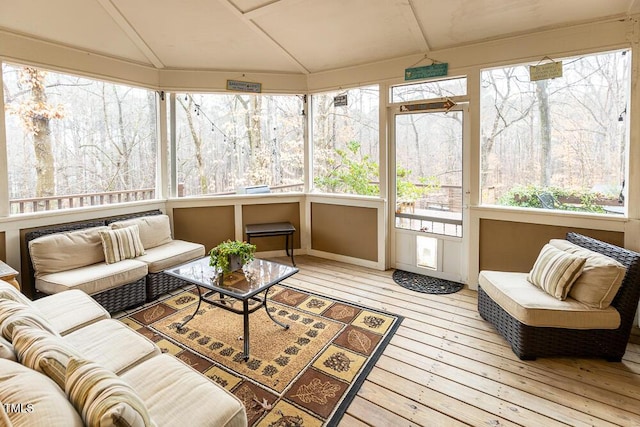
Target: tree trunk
pixel 45 178
pixel 197 143
pixel 542 94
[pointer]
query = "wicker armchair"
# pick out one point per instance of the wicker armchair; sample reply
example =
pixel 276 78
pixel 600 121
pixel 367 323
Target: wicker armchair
pixel 530 342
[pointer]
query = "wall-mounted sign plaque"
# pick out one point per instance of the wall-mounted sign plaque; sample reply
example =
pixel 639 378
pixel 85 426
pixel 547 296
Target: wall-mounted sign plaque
pixel 545 71
pixel 340 101
pixel 428 71
pixel 241 86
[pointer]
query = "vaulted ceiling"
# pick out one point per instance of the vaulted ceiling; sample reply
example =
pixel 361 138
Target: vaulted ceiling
pixel 287 36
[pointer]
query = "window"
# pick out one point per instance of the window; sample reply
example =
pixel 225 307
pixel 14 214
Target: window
pixel 76 142
pixel 346 141
pixel 557 143
pixel 228 143
pixel 434 89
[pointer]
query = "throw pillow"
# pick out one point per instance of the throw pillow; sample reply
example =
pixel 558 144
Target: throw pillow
pixel 122 243
pixel 43 403
pixel 9 292
pixel 6 350
pixel 555 271
pixel 13 314
pixel 44 352
pixel 102 398
pixel 600 279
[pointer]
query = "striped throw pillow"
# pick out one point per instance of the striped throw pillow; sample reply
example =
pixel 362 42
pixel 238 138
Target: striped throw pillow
pixel 13 314
pixel 555 271
pixel 44 352
pixel 121 243
pixel 102 398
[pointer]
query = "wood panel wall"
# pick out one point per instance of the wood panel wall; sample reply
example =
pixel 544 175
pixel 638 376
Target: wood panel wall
pixel 345 230
pixel 276 212
pixel 514 246
pixel 207 225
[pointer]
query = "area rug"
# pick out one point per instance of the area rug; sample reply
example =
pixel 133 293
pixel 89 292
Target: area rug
pixel 305 375
pixel 425 284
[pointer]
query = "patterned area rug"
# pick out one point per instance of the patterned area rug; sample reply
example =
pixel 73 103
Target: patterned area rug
pixel 425 284
pixel 305 375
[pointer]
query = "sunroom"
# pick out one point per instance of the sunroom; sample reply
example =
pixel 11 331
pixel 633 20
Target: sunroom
pixel 436 139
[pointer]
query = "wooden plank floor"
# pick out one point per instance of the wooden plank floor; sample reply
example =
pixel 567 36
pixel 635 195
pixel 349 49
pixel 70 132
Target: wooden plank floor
pixel 446 366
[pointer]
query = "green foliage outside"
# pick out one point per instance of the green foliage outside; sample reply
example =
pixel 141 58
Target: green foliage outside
pixel 353 173
pixel 530 197
pixel 349 174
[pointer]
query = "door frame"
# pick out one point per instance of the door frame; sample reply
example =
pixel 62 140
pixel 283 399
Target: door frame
pixel 393 110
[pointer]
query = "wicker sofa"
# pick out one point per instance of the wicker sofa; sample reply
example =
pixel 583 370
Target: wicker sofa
pixel 71 256
pixel 582 338
pixel 130 381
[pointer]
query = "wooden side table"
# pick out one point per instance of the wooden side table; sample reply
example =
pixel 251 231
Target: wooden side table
pixel 9 275
pixel 285 229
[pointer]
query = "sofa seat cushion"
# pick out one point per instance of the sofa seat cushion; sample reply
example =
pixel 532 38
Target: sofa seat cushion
pixel 192 396
pixel 66 251
pixel 534 307
pixel 94 278
pixel 44 404
pixel 171 254
pixel 155 230
pixel 70 310
pixel 112 344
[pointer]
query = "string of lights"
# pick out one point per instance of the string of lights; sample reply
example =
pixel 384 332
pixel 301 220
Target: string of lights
pixel 198 110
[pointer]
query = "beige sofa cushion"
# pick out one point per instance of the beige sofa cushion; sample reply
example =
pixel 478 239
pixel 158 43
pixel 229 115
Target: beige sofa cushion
pixel 49 404
pixel 112 344
pixel 70 310
pixel 66 251
pixel 534 307
pixel 93 278
pixel 555 271
pixel 171 254
pixel 164 378
pixel 155 230
pixel 600 279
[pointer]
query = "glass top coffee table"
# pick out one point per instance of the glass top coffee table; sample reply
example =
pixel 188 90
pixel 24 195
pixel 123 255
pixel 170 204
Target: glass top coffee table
pixel 249 284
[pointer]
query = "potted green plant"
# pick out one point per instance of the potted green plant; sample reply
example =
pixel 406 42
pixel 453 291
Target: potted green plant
pixel 231 255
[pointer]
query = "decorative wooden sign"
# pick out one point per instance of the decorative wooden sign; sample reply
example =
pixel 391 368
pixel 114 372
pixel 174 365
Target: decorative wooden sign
pixel 444 105
pixel 426 72
pixel 340 101
pixel 545 71
pixel 240 86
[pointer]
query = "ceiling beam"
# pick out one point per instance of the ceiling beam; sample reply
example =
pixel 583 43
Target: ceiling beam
pixel 271 7
pixel 415 26
pixel 261 32
pixel 131 33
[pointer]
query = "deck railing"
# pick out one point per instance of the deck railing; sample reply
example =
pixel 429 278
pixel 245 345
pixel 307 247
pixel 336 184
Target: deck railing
pixel 68 201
